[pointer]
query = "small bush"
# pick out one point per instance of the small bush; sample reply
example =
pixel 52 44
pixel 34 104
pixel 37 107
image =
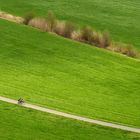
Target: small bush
pixel 59 28
pixel 51 21
pixel 130 51
pixel 39 23
pixel 101 40
pixel 64 29
pixel 97 39
pixel 107 40
pixel 87 35
pixel 125 49
pixel 76 35
pixel 68 29
pixel 29 16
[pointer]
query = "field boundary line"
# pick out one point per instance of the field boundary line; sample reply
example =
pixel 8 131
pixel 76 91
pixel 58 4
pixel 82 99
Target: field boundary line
pixel 67 115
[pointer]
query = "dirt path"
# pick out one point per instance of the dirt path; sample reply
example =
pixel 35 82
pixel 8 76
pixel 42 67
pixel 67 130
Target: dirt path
pixel 137 130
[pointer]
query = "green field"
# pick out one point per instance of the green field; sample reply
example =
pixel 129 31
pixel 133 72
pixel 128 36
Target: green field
pixel 26 124
pixel 69 76
pixel 119 17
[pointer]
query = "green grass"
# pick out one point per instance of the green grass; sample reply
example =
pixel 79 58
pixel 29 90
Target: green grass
pixel 119 17
pixel 52 71
pixel 27 124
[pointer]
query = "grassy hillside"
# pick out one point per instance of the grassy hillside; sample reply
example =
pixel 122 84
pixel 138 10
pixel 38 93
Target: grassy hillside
pixel 120 17
pixel 34 125
pixel 69 76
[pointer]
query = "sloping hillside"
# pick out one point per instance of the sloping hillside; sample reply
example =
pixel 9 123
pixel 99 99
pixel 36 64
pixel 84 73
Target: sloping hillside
pixel 69 76
pixel 119 17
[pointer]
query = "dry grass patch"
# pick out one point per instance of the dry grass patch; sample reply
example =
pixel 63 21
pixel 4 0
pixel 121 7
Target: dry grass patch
pixel 39 23
pixel 76 35
pixel 10 17
pixel 125 49
pixel 59 28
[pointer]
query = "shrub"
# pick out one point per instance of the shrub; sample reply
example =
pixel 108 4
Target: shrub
pixel 130 51
pixel 76 35
pixel 97 39
pixel 125 49
pixel 107 40
pixel 64 29
pixel 51 21
pixel 101 40
pixel 59 28
pixel 39 23
pixel 87 35
pixel 29 16
pixel 68 29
